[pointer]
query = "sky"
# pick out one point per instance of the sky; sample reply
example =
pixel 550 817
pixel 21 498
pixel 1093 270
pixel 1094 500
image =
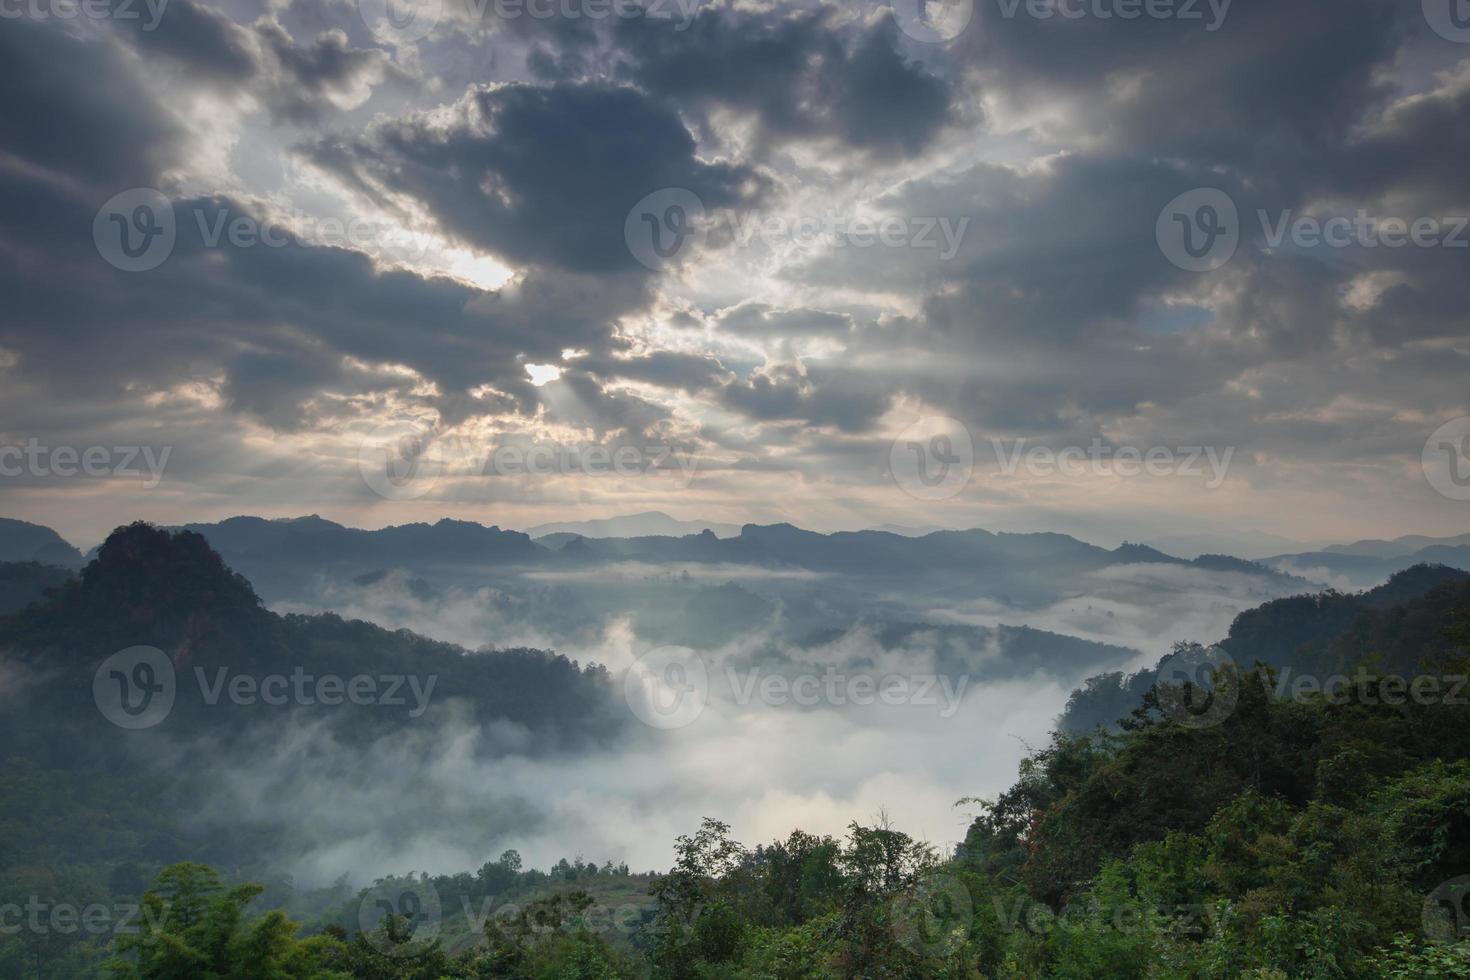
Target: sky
pixel 1098 266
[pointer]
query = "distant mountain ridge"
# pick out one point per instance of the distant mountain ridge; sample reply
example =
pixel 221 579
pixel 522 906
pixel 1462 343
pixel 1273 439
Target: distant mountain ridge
pixel 255 545
pixel 22 541
pixel 318 540
pixel 1365 563
pixel 1399 547
pixel 252 544
pixel 653 523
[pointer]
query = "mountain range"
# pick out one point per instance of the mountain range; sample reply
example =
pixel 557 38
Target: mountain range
pixel 654 535
pixel 275 554
pixel 651 523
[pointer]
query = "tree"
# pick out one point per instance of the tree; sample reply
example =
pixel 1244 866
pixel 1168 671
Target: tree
pixel 194 928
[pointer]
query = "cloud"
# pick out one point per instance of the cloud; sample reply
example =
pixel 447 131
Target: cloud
pixel 538 175
pixel 79 116
pixel 802 75
pixel 515 148
pixel 297 82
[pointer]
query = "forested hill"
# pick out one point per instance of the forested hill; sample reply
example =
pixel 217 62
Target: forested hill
pixel 1392 628
pixel 170 591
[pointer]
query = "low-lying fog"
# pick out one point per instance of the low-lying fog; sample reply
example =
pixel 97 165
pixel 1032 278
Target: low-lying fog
pixel 789 735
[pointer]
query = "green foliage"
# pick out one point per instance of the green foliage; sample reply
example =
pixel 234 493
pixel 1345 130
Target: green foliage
pixel 1259 871
pixel 194 928
pixel 1409 960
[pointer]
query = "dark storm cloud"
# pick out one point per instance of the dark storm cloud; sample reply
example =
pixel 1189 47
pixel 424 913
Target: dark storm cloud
pixel 691 373
pixel 1272 88
pixel 1060 308
pixel 602 410
pixel 209 44
pixel 275 322
pixel 541 176
pixel 816 396
pixel 296 81
pixel 1430 302
pixel 269 385
pixel 75 111
pixel 309 77
pixel 1416 152
pixel 800 74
